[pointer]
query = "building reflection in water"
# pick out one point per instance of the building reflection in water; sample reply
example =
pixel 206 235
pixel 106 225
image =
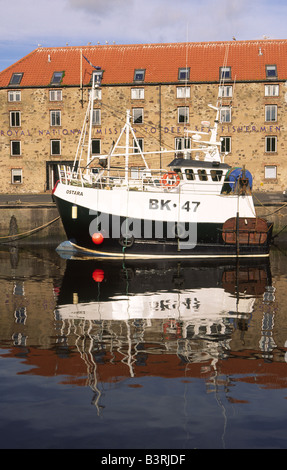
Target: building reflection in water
pixel 96 323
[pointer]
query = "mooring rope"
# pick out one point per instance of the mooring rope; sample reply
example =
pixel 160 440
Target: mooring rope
pixel 29 232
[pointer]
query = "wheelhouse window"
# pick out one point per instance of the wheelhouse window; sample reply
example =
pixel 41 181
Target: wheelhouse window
pixel 16 176
pixel 271 90
pixel 183 92
pixel 16 79
pixel 271 71
pixel 15 118
pixel 183 114
pixel 184 73
pixel 271 113
pixel 57 78
pixel 139 75
pixel 55 118
pixel 271 144
pixel 137 116
pixel 225 73
pixel 14 95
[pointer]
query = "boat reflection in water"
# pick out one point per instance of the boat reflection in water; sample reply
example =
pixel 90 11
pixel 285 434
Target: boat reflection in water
pixel 134 319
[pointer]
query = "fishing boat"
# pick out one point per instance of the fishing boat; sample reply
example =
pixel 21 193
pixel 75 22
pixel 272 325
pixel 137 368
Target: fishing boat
pixel 199 206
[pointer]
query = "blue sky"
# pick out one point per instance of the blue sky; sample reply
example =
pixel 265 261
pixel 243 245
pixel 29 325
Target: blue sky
pixel 26 24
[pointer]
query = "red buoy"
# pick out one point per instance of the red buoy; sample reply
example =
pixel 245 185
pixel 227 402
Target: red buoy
pixel 98 238
pixel 98 275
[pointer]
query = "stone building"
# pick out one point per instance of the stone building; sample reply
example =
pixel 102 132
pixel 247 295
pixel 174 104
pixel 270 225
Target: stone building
pixel 167 88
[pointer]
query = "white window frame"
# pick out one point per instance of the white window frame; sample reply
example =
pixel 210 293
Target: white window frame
pixel 225 91
pixel 12 150
pixel 225 73
pixel 183 73
pixel 270 172
pixel 14 96
pixel 225 114
pixel 141 145
pixel 60 146
pixel 139 75
pixel 272 90
pixel 183 114
pixel 271 141
pixel 16 173
pixel 55 118
pixel 138 115
pixel 182 143
pixel 270 112
pixel 137 93
pixel 97 117
pixel 183 92
pixel 16 119
pixel 55 95
pixel 99 141
pixel 224 141
pixel 271 71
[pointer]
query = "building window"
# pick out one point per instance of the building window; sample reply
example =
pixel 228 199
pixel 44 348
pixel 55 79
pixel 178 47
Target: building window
pixel 225 114
pixel 183 114
pixel 96 146
pixel 55 118
pixel 137 145
pixel 55 147
pixel 16 176
pixel 98 74
pixel 96 117
pixel 14 96
pixel 271 144
pixel 15 148
pixel 271 90
pixel 137 93
pixel 270 172
pixel 225 144
pixel 225 73
pixel 139 75
pixel 56 95
pixel 183 92
pixel 271 113
pixel 57 78
pixel 184 73
pixel 15 118
pixel 225 91
pixel 138 116
pixel 16 79
pixel 271 71
pixel 182 143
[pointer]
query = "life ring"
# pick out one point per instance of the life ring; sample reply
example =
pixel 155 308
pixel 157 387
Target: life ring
pixel 172 327
pixel 170 179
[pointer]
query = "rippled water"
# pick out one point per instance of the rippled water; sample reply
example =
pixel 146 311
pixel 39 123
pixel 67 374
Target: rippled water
pixel 109 355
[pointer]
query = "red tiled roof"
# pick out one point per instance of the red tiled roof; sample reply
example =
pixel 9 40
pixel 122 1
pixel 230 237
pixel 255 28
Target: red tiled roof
pixel 248 60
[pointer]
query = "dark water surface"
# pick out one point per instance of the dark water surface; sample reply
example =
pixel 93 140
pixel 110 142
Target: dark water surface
pixel 105 355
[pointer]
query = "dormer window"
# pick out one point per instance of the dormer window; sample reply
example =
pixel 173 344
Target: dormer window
pixel 16 79
pixel 57 78
pixel 183 73
pixel 98 74
pixel 271 71
pixel 139 75
pixel 225 73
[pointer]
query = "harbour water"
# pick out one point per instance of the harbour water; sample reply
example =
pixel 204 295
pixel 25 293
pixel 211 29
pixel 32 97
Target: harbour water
pixel 105 355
